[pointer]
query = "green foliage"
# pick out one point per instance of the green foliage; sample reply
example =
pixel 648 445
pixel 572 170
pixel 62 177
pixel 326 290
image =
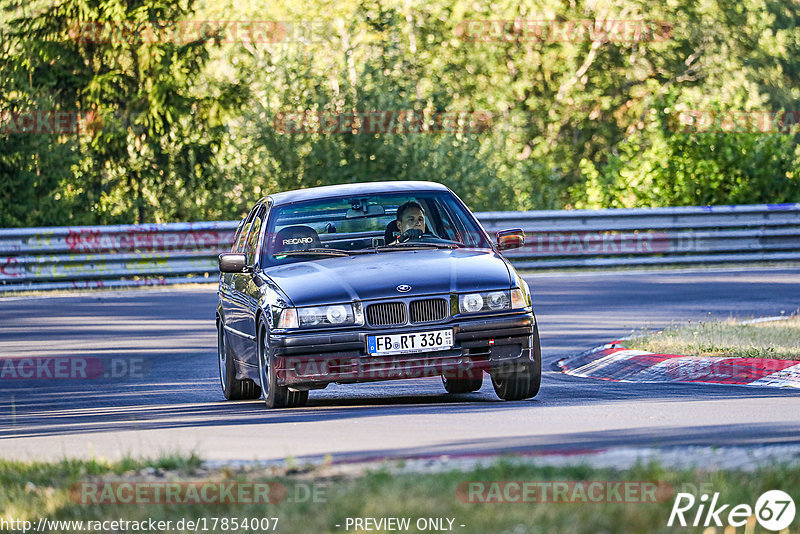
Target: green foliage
pixel 655 167
pixel 146 154
pixel 189 130
pixel 324 498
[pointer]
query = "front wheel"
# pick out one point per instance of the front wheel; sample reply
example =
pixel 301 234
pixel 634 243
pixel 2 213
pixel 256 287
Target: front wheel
pixel 462 385
pixel 232 388
pixel 275 396
pixel 524 380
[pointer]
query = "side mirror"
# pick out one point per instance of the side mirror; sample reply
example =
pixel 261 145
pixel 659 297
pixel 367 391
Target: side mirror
pixel 232 263
pixel 507 239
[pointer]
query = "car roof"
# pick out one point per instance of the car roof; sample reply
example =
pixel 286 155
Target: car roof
pixel 363 188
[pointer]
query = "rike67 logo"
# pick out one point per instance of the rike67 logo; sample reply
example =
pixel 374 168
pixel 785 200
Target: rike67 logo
pixel 774 510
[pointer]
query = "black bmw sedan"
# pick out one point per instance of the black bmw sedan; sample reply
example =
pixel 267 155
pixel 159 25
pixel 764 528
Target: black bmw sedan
pixel 374 281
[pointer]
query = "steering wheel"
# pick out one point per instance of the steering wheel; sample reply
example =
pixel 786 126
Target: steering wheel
pixel 411 233
pixel 426 237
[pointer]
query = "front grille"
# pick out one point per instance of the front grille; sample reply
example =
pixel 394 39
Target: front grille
pixel 429 310
pixel 386 314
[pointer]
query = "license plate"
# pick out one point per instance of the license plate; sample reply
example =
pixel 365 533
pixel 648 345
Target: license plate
pixel 410 343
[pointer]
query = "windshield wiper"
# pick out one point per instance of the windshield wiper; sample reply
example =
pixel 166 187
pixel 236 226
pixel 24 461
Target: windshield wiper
pixel 313 252
pixel 415 246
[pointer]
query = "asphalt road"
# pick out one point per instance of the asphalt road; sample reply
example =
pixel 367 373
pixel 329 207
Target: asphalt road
pixel 165 340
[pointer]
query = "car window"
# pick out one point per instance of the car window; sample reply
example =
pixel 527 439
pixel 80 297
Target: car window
pixel 252 239
pixel 446 222
pixel 240 243
pixel 360 224
pixel 460 229
pixel 239 246
pixel 237 235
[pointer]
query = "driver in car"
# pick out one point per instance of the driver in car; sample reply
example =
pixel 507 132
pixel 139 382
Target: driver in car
pixel 410 221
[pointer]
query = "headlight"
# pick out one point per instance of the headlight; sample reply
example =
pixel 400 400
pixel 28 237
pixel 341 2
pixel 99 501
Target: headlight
pixel 338 315
pixel 513 299
pixel 310 316
pixel 498 300
pixel 471 303
pixel 489 301
pixel 320 316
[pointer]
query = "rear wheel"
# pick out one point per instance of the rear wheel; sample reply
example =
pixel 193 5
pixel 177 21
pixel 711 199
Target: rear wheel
pixel 232 388
pixel 275 396
pixel 525 378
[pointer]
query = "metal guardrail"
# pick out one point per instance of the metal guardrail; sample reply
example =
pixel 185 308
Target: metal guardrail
pixel 652 236
pixel 111 256
pixel 160 254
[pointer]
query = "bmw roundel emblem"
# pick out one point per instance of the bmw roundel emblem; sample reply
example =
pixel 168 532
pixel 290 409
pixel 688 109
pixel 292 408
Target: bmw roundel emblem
pixel 402 288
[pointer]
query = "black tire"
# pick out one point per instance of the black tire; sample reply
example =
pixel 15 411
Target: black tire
pixel 462 385
pixel 232 388
pixel 525 377
pixel 275 396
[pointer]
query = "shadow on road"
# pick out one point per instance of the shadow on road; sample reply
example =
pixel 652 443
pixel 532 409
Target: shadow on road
pixel 38 409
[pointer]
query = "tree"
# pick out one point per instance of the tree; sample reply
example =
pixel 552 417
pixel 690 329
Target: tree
pixel 150 144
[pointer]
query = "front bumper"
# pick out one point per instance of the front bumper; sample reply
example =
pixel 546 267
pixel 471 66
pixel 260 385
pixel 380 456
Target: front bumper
pixel 312 360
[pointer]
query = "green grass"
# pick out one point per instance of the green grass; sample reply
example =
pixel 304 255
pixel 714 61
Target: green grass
pixel 731 338
pixel 32 490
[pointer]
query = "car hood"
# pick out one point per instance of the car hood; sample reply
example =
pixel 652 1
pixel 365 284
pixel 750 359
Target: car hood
pixel 372 276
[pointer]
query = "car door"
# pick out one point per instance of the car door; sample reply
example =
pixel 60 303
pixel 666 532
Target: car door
pixel 248 288
pixel 226 279
pixel 233 301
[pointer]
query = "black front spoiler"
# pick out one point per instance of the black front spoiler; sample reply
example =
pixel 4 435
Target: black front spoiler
pixel 312 360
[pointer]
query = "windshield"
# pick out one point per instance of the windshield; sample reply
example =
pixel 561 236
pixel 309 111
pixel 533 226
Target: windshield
pixel 369 224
